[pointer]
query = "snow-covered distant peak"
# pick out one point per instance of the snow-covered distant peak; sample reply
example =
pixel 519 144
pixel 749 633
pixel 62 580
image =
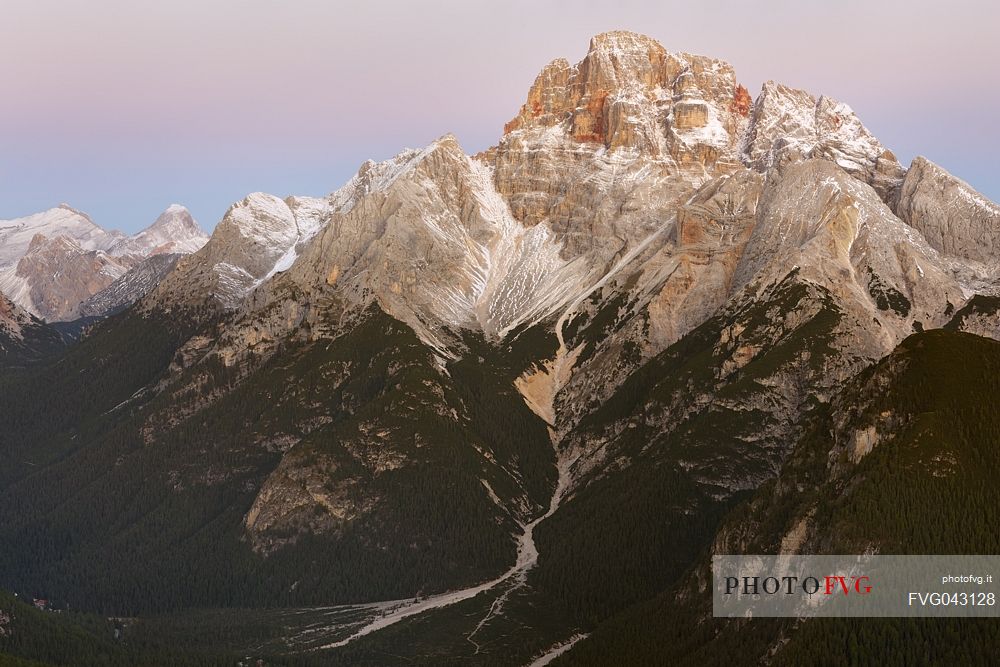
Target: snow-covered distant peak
pixel 63 220
pixel 63 206
pixel 174 231
pixel 52 260
pixel 175 216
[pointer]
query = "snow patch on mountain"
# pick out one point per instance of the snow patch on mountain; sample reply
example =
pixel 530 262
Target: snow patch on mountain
pixel 787 123
pixel 518 273
pixel 174 231
pixel 16 235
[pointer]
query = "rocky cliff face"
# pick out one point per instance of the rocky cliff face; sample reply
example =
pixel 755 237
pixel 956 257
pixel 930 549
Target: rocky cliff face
pixel 790 124
pixel 11 317
pixel 980 316
pixel 739 234
pixel 55 274
pixel 131 286
pixel 955 219
pixel 438 249
pixel 602 150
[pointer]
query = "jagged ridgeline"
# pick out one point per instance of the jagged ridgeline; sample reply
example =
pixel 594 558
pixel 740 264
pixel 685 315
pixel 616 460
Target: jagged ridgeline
pixel 60 266
pixel 521 395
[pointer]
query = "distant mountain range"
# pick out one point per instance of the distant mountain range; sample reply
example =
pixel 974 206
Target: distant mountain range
pixel 500 408
pixel 51 262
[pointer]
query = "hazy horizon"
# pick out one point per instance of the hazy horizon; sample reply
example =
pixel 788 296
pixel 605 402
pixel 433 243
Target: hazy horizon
pixel 120 110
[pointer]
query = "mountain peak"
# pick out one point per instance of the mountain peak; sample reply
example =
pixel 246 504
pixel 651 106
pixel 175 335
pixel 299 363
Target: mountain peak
pixel 447 141
pixel 689 114
pixel 173 231
pixel 178 218
pixel 788 123
pixel 623 42
pixel 62 220
pixel 631 93
pixel 66 207
pixel 254 213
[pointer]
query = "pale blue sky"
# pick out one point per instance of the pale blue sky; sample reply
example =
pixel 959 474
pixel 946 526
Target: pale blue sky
pixel 121 108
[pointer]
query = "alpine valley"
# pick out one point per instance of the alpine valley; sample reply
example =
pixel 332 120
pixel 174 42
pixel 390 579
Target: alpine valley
pixel 502 409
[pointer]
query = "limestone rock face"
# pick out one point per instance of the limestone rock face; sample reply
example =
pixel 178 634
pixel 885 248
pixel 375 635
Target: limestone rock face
pixel 256 239
pixel 980 316
pixel 134 284
pixel 603 149
pixel 629 92
pixel 56 274
pixel 289 497
pixel 837 232
pixel 954 218
pixel 256 233
pixel 743 233
pixel 787 124
pixel 436 246
pixel 713 227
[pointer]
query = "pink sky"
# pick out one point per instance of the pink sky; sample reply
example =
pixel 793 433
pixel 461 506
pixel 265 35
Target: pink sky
pixel 121 108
